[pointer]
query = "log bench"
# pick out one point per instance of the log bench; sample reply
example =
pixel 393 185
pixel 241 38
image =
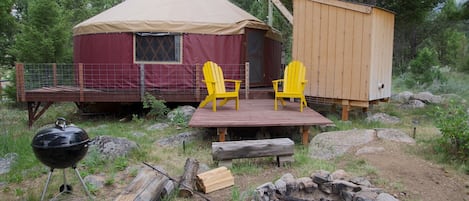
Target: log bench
pixel 224 152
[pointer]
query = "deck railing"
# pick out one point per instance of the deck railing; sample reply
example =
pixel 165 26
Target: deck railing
pixel 176 80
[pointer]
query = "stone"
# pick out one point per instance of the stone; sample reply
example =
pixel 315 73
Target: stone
pixel 178 139
pixel 383 118
pixel 7 161
pixel 339 174
pixel 330 145
pixel 386 197
pixel 321 177
pixel 97 181
pixel 402 97
pixel 365 195
pixel 341 185
pixel 413 104
pixel 361 181
pixel 427 97
pixel 265 192
pixel 184 112
pixel 369 150
pixel 158 126
pixel 394 135
pixel 281 186
pixel 112 147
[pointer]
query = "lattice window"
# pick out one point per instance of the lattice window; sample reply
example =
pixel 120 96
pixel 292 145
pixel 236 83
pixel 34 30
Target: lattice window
pixel 157 47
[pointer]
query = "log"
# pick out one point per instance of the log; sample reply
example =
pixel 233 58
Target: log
pixel 186 184
pixel 147 185
pixel 283 148
pixel 252 148
pixel 214 179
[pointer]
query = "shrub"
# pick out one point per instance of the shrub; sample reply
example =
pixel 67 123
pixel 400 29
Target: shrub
pixel 157 107
pixel 452 122
pixel 424 68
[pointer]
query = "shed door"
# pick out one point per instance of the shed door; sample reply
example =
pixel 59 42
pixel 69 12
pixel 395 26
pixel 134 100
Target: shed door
pixel 255 55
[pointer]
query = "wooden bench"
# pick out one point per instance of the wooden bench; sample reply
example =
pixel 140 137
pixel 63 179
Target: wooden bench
pixel 282 148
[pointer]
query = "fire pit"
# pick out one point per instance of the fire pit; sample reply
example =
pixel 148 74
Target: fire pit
pixel 61 146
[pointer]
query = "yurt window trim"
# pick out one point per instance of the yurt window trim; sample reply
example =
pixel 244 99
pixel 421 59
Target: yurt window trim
pixel 158 47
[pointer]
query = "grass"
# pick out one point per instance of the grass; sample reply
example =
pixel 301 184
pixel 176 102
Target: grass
pixel 15 137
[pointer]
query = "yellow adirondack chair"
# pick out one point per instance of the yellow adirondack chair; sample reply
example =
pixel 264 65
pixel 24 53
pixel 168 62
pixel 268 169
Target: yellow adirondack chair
pixel 293 84
pixel 213 78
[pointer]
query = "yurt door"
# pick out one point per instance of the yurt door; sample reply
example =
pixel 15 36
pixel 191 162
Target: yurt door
pixel 255 55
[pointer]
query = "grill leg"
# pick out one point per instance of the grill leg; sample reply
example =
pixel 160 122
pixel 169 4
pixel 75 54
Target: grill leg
pixel 83 183
pixel 47 184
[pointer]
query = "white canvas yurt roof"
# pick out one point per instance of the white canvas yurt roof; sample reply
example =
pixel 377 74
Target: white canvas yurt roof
pixel 180 16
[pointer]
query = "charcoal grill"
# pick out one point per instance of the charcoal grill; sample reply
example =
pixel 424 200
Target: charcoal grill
pixel 59 147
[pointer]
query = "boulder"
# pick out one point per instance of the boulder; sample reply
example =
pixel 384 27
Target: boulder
pixel 383 118
pixel 329 145
pixel 112 147
pixel 402 97
pixel 185 112
pixel 427 97
pixel 394 135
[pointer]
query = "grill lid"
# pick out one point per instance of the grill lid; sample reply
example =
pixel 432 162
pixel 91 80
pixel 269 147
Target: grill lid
pixel 60 136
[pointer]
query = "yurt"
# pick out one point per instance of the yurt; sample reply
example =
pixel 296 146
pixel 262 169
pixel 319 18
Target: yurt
pixel 159 46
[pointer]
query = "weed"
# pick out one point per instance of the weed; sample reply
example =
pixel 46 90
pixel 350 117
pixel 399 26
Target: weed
pixel 110 180
pixel 157 107
pixel 120 163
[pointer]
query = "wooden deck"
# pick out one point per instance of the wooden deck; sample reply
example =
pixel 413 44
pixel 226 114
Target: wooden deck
pixel 257 113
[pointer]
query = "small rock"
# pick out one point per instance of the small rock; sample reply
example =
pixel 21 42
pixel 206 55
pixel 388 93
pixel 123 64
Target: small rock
pixel 7 162
pixel 383 118
pixel 413 104
pixel 339 174
pixel 321 176
pixel 158 126
pixel 361 181
pixel 96 180
pixel 178 139
pixel 138 134
pixel 385 197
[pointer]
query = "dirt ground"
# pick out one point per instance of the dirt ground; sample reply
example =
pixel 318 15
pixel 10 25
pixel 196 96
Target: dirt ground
pixel 405 176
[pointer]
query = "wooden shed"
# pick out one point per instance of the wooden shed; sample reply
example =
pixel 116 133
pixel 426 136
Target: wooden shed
pixel 347 48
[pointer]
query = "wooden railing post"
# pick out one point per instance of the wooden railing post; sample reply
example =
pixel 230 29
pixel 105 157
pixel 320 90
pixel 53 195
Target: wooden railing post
pixel 142 82
pixel 81 82
pixel 197 82
pixel 20 88
pixel 246 81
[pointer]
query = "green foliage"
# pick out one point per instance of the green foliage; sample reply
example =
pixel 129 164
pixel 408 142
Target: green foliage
pixel 10 89
pixel 7 30
pixel 157 107
pixel 43 36
pixel 424 68
pixel 452 48
pixel 453 122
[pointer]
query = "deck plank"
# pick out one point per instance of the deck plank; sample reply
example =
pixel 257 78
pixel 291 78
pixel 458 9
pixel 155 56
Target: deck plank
pixel 256 113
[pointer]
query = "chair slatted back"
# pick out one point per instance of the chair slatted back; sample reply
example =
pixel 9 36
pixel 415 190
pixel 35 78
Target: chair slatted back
pixel 294 75
pixel 213 73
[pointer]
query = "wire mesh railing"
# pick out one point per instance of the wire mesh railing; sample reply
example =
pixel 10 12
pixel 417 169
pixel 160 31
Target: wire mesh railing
pixel 159 79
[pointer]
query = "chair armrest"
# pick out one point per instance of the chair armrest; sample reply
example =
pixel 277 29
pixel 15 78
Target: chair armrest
pixel 275 83
pixel 237 83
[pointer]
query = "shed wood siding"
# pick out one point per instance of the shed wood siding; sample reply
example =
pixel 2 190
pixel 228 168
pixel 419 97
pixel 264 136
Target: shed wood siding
pixel 347 49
